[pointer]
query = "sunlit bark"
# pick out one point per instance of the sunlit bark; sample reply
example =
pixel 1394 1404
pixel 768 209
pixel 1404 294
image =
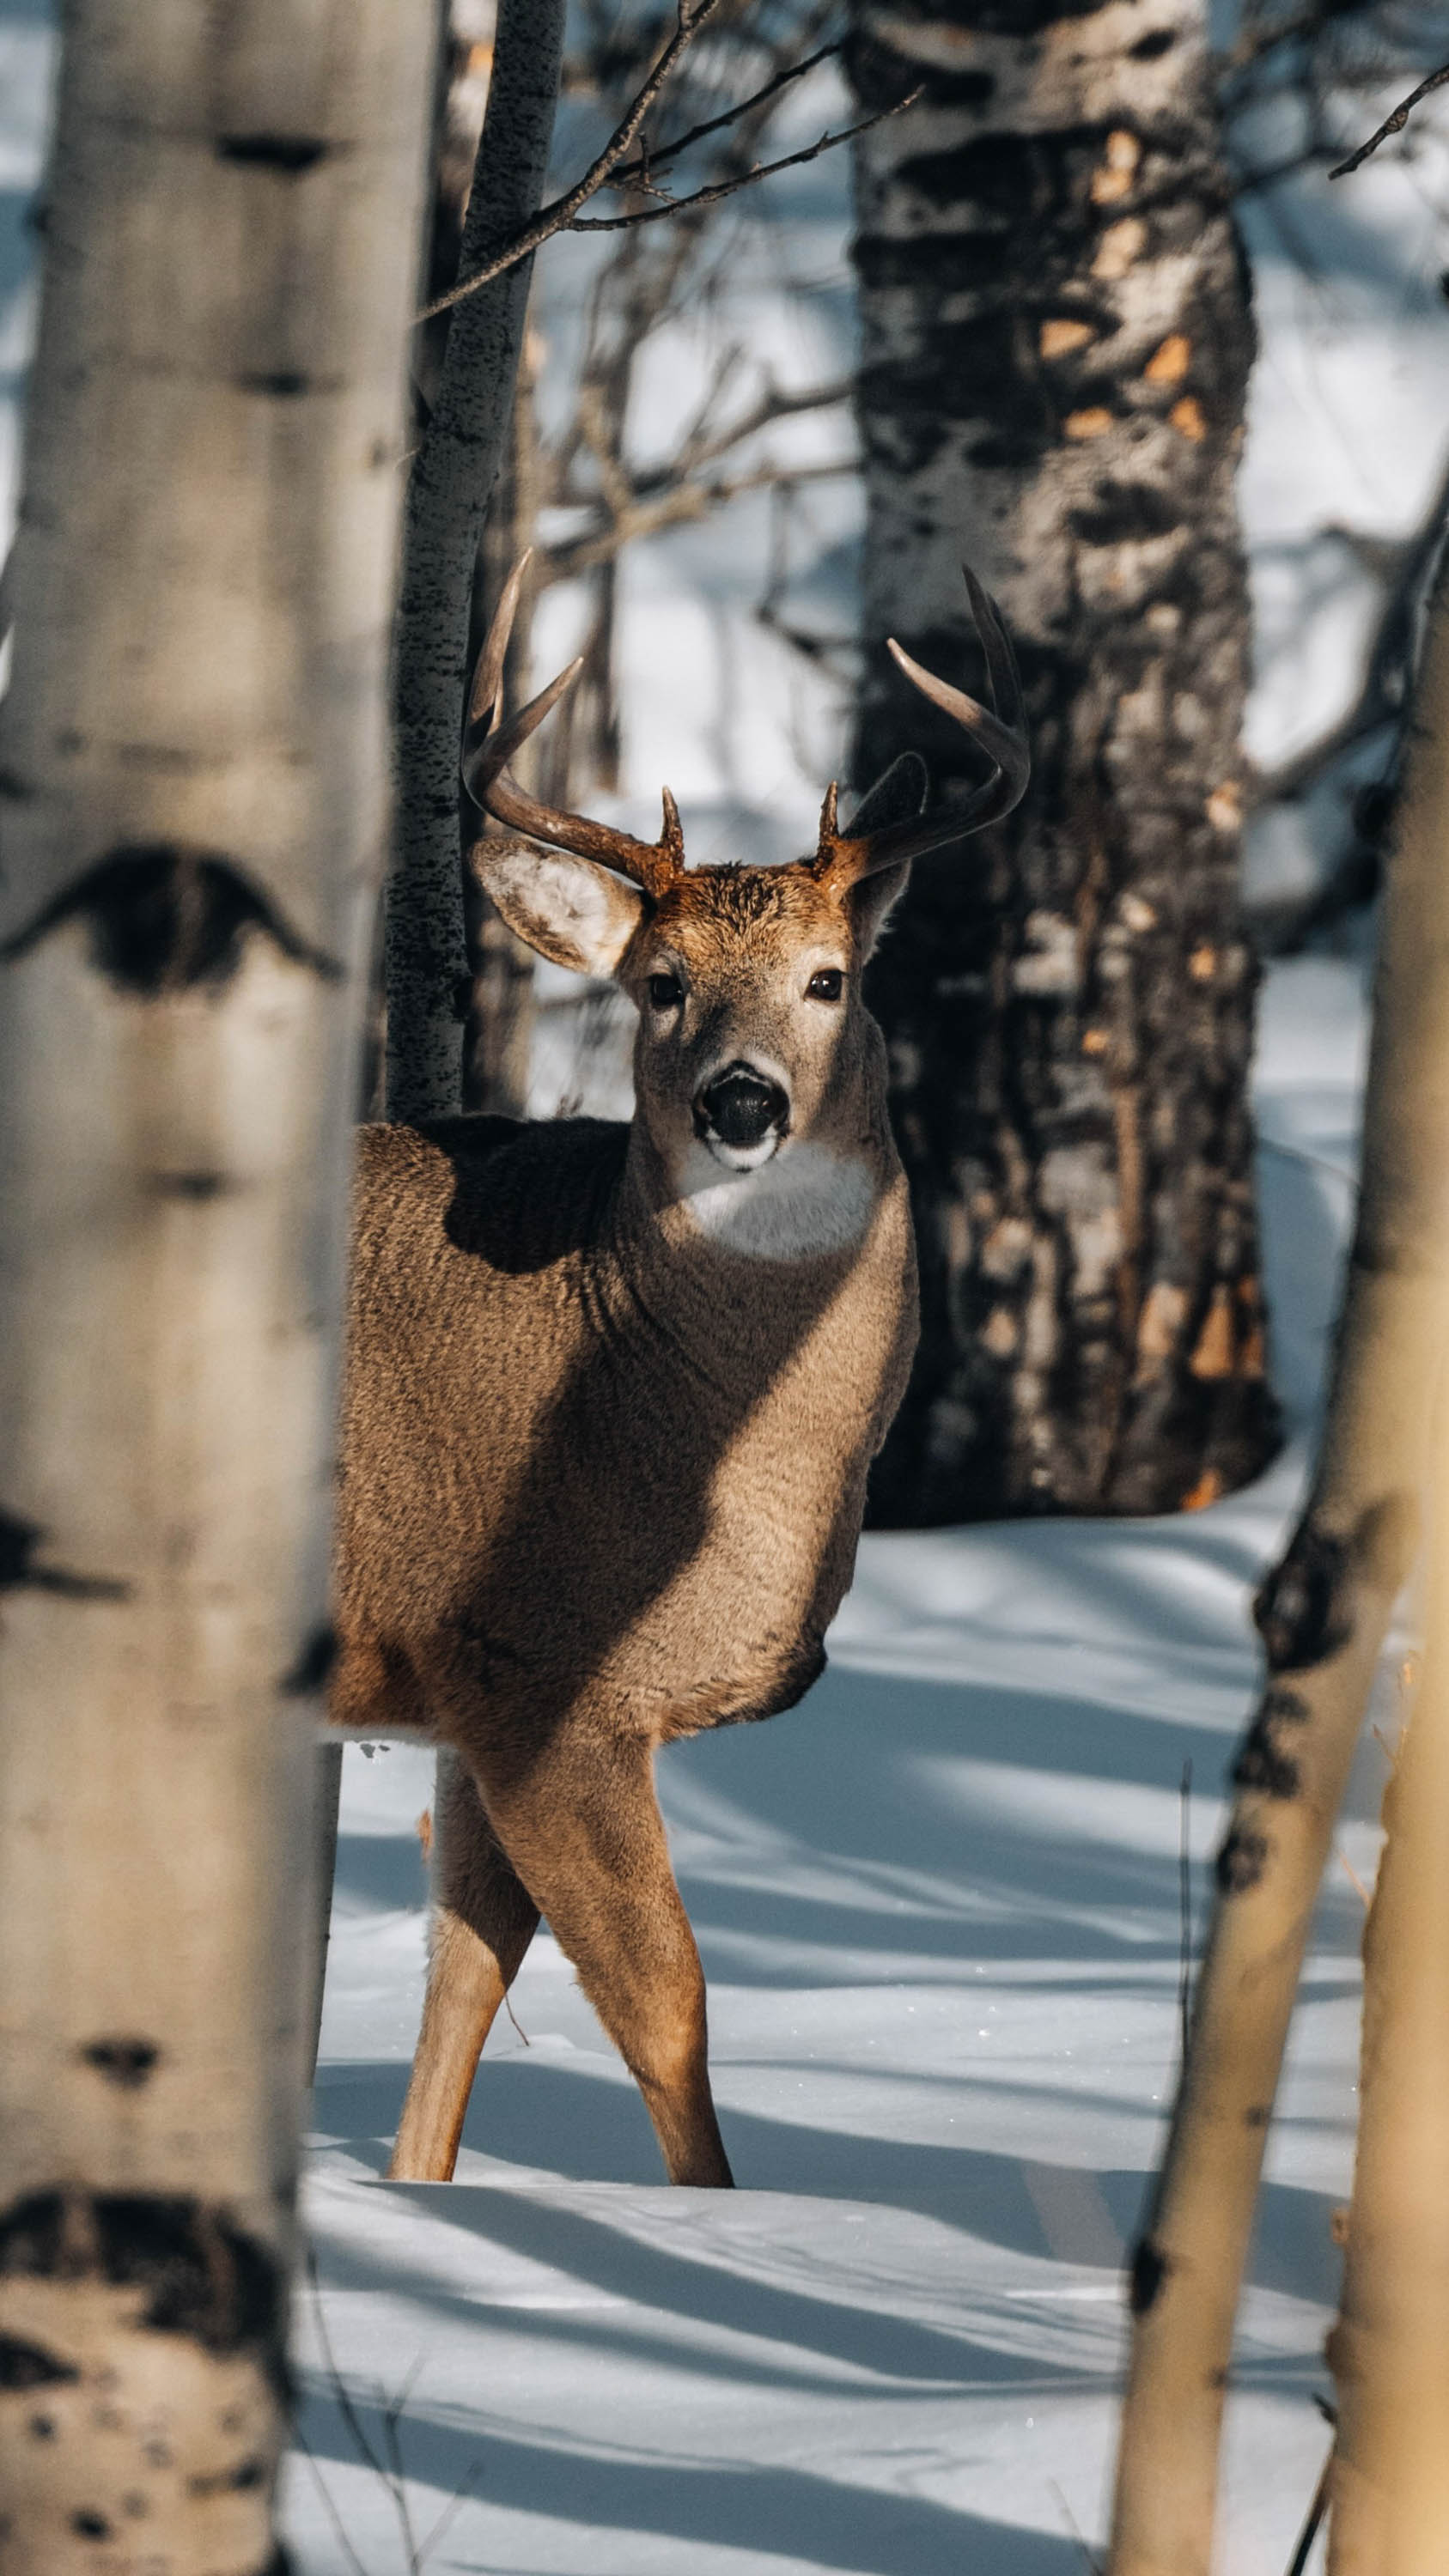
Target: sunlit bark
pixel 193 795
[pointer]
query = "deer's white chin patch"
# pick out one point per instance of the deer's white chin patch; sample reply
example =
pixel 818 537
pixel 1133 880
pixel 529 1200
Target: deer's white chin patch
pixel 804 1200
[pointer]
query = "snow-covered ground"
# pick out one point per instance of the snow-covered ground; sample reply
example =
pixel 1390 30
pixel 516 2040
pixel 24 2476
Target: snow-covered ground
pixel 939 1904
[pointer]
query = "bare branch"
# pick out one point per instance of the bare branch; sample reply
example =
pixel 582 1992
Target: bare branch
pixel 639 173
pixel 693 15
pixel 744 179
pixel 1394 124
pixel 676 506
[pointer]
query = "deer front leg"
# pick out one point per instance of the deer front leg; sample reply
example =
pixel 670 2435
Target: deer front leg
pixel 483 1920
pixel 583 1829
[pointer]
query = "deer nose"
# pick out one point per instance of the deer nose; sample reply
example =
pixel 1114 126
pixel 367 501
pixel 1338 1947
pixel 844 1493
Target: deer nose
pixel 740 1106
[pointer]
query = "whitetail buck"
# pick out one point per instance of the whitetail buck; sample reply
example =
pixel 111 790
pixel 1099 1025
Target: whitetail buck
pixel 612 1392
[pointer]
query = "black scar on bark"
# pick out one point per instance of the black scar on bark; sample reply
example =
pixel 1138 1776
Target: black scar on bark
pixel 1263 1761
pixel 166 918
pixel 28 2365
pixel 313 1668
pixel 284 384
pixel 203 2276
pixel 236 2481
pixel 1303 1613
pixel 129 2064
pixel 88 2525
pixel 291 154
pixel 1150 2268
pixel 1126 512
pixel 1242 1860
pixel 19 1572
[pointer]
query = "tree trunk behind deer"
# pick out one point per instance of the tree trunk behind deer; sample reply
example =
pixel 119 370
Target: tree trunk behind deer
pixel 193 773
pixel 1389 2488
pixel 452 477
pixel 1322 1614
pixel 1056 348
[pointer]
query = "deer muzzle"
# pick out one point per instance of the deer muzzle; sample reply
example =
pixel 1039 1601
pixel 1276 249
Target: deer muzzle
pixel 741 1109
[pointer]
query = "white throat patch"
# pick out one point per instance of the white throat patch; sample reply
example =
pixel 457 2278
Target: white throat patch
pixel 804 1200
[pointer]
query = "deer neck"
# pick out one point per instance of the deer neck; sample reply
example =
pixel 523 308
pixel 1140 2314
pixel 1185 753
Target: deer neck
pixel 811 1207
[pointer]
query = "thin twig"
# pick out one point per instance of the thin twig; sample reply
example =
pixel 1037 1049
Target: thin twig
pixel 1316 2512
pixel 340 2389
pixel 675 507
pixel 397 2480
pixel 338 2525
pixel 1351 1874
pixel 1394 124
pixel 723 188
pixel 451 2510
pixel 560 215
pixel 1184 1907
pixel 640 173
pixel 1090 2559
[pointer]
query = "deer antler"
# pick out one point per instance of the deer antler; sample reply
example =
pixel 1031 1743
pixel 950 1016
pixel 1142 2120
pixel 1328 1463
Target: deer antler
pixel 1000 729
pixel 488 746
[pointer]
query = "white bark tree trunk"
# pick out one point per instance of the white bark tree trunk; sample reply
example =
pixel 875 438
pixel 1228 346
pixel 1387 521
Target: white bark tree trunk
pixel 193 799
pixel 452 478
pixel 1389 2352
pixel 1322 1613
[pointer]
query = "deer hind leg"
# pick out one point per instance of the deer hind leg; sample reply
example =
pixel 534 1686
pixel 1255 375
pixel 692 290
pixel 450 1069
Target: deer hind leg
pixel 483 1920
pixel 583 1829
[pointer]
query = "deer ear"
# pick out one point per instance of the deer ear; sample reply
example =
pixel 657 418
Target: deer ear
pixel 570 910
pixel 897 797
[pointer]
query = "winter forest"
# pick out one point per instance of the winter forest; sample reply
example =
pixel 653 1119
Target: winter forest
pixel 1075 1944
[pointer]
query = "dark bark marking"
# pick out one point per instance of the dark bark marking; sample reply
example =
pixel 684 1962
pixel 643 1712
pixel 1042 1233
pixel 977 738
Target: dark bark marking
pixel 1303 1613
pixel 190 1185
pixel 127 2063
pixel 164 918
pixel 204 2276
pixel 1150 2268
pixel 1149 49
pixel 1242 1860
pixel 291 154
pixel 1257 2115
pixel 285 383
pixel 41 2428
pixel 246 2474
pixel 15 789
pixel 313 1668
pixel 29 2365
pixel 1263 1761
pixel 90 2526
pixel 19 1572
pixel 1386 1540
pixel 1125 512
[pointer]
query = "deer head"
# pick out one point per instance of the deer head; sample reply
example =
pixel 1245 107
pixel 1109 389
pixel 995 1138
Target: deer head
pixel 747 979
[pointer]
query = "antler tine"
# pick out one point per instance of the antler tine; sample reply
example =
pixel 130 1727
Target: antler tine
pixel 1001 731
pixel 489 745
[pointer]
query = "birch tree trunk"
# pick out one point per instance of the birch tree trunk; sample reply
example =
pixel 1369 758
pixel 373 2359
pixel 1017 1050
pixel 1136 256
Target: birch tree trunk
pixel 1323 1613
pixel 453 475
pixel 1056 350
pixel 193 801
pixel 1389 2352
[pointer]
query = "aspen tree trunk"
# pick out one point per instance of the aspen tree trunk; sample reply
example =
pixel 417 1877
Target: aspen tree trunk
pixel 1322 1615
pixel 193 798
pixel 448 491
pixel 1056 350
pixel 1389 2352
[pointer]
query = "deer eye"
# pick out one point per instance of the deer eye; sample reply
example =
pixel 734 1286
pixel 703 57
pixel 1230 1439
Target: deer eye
pixel 826 984
pixel 665 992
